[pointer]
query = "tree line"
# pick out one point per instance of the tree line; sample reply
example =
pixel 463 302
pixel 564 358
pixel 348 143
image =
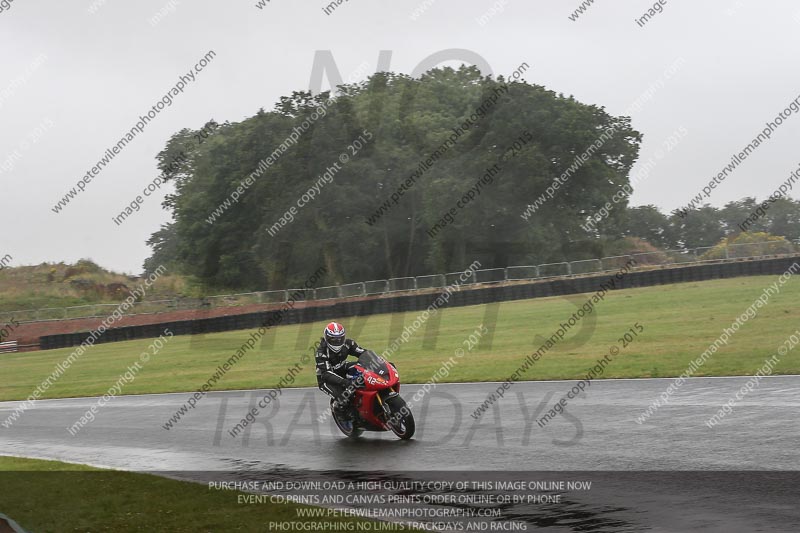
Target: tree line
pixel 412 150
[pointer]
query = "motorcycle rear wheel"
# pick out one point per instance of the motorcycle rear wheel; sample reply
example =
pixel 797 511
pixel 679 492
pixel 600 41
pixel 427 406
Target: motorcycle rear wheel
pixel 349 428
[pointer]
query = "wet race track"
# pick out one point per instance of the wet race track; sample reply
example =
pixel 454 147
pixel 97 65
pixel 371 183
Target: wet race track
pixel 670 473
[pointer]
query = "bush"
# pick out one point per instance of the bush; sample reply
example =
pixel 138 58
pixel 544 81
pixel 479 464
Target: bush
pixel 749 244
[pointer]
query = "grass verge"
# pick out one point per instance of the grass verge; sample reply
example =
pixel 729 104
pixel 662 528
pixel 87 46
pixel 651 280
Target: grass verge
pixel 49 496
pixel 680 322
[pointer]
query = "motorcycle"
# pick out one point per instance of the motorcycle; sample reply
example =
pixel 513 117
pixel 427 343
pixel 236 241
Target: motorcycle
pixel 377 405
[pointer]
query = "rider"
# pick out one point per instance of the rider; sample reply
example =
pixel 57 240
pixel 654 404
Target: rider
pixel 332 366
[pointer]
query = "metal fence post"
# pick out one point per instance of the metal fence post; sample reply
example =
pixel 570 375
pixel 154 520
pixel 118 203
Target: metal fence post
pixel 569 269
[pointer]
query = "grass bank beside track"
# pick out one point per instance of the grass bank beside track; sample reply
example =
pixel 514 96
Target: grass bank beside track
pixel 49 496
pixel 680 322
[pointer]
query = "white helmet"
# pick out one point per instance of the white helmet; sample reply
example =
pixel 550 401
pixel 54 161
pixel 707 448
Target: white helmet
pixel 334 336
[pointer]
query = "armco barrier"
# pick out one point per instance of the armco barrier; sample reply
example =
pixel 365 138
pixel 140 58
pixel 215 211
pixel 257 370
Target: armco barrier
pixel 465 295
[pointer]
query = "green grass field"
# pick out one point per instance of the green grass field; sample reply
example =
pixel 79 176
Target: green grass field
pixel 48 496
pixel 679 320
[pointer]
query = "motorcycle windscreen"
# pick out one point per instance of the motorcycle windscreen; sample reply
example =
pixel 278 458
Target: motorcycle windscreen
pixel 374 363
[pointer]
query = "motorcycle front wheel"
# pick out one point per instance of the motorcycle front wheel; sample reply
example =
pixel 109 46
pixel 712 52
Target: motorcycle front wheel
pixel 402 423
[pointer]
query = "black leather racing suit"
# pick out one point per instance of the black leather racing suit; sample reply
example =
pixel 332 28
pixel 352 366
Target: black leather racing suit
pixel 332 367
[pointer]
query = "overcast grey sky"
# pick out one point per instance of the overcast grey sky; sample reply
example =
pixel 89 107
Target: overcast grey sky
pixel 73 82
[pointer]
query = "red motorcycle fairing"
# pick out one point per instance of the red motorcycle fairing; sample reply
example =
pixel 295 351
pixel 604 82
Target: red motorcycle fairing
pixel 381 380
pixel 377 404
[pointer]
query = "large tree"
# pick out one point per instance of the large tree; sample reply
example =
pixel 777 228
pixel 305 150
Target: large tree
pixel 407 121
